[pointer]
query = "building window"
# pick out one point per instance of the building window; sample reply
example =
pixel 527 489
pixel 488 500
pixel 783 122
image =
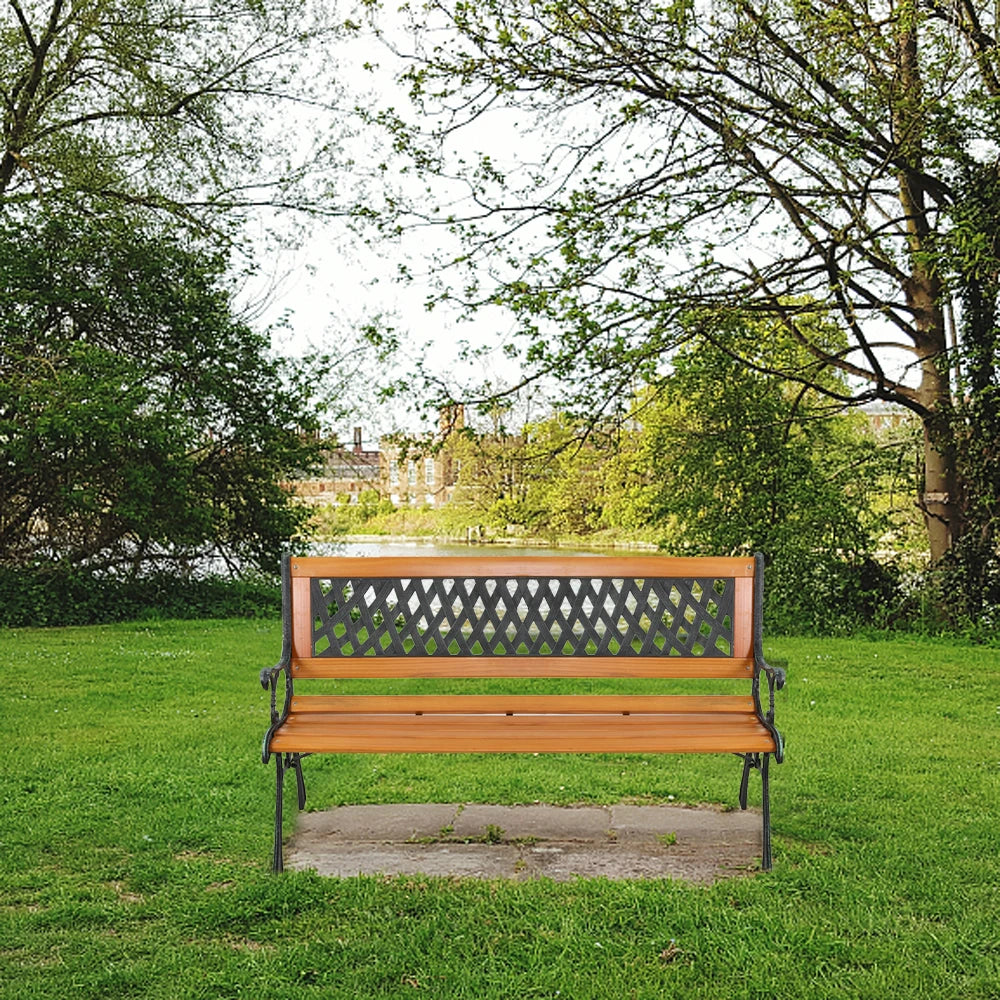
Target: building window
pixel 393 472
pixel 429 471
pixel 411 472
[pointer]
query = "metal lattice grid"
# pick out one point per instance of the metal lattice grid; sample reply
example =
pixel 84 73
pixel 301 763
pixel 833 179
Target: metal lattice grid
pixel 522 616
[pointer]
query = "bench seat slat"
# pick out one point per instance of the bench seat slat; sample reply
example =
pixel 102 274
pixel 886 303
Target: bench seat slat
pixel 655 733
pixel 522 666
pixel 501 704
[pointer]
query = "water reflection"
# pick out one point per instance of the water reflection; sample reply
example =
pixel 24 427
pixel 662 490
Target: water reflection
pixel 430 547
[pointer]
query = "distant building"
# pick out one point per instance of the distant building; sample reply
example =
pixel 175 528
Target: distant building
pixel 883 416
pixel 344 475
pixel 422 473
pixel 428 472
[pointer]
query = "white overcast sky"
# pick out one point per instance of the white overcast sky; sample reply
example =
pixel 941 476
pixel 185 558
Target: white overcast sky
pixel 332 284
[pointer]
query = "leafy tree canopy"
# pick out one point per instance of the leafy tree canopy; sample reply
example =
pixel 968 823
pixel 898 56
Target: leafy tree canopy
pixel 196 109
pixel 784 158
pixel 140 422
pixel 730 459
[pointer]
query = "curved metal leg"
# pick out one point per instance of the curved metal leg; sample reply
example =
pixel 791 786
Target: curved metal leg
pixel 300 782
pixel 748 762
pixel 762 763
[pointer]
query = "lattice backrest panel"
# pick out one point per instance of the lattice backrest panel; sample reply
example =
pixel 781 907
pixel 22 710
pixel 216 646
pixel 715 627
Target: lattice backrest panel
pixel 521 616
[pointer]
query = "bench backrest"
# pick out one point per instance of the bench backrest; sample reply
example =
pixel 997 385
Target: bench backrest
pixel 509 616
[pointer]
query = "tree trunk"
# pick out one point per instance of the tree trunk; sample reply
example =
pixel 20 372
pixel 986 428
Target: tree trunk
pixel 939 501
pixel 940 498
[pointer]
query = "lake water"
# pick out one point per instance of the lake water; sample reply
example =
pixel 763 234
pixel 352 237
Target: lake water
pixel 430 547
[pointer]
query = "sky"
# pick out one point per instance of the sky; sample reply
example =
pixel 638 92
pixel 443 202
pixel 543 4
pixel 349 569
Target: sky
pixel 329 289
pixel 330 284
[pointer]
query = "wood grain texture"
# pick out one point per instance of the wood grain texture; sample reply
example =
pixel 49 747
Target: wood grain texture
pixel 521 723
pixel 673 733
pixel 423 567
pixel 522 666
pixel 501 704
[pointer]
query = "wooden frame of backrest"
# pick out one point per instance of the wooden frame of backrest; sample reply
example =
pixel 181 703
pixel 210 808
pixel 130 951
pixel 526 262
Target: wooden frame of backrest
pixel 298 572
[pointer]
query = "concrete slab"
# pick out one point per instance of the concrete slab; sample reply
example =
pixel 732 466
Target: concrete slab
pixel 518 842
pixel 540 822
pixel 704 823
pixel 398 823
pixel 444 860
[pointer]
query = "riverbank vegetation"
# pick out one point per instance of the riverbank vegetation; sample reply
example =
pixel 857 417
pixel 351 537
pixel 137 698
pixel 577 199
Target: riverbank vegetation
pixel 694 400
pixel 146 423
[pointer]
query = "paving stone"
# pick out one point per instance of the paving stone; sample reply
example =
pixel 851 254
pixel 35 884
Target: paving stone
pixel 617 842
pixel 397 823
pixel 535 821
pixel 704 823
pixel 456 861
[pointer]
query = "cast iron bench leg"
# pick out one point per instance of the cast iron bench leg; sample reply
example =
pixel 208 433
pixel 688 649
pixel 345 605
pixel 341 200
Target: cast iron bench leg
pixel 277 861
pixel 765 860
pixel 300 782
pixel 283 762
pixel 761 762
pixel 748 762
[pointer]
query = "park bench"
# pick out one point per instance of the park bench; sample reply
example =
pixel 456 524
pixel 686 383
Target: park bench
pixel 638 621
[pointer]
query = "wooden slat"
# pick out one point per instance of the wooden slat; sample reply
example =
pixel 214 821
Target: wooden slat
pixel 743 618
pixel 501 704
pixel 681 733
pixel 522 666
pixel 410 567
pixel 301 618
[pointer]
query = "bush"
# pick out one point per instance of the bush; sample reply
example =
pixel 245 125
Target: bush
pixel 819 594
pixel 47 597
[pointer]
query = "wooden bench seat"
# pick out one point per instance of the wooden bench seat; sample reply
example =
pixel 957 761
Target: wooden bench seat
pixel 467 619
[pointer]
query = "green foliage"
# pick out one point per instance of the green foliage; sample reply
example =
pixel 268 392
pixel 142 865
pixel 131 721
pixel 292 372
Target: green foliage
pixel 784 159
pixel 730 459
pixel 172 106
pixel 725 457
pixel 558 486
pixel 59 597
pixel 140 422
pixel 329 520
pixel 967 583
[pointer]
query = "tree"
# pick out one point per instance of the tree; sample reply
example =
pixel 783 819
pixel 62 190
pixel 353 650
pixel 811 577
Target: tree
pixel 183 108
pixel 141 423
pixel 546 478
pixel 565 476
pixel 788 159
pixel 971 577
pixel 725 458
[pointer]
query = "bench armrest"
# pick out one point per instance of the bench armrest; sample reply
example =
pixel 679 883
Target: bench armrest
pixel 775 675
pixel 269 682
pixel 269 675
pixel 775 682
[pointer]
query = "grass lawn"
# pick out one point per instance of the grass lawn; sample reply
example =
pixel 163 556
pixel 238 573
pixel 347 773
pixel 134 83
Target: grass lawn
pixel 136 822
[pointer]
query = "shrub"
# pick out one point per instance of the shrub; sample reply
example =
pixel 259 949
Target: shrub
pixel 49 597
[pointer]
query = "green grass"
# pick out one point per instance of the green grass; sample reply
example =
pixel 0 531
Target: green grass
pixel 136 818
